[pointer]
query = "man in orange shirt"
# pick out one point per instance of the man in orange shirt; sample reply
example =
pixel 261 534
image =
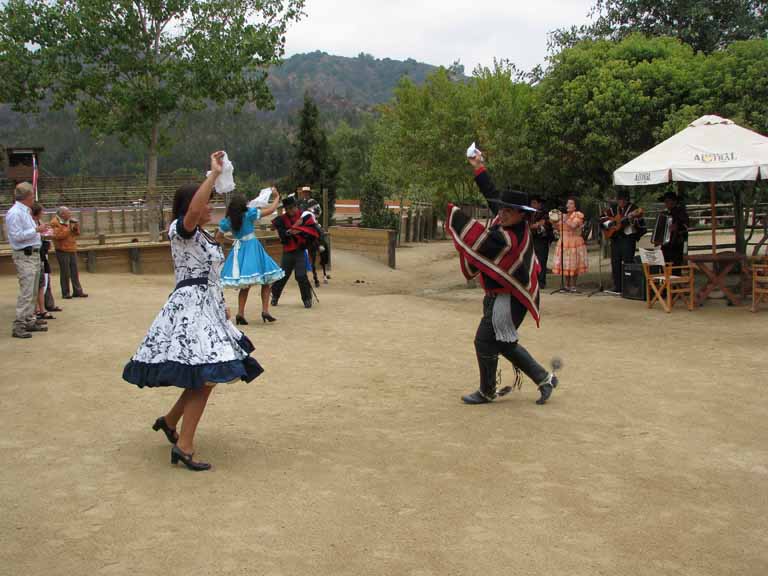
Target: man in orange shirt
pixel 65 232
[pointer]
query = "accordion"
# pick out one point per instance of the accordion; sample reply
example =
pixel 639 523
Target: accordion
pixel 662 233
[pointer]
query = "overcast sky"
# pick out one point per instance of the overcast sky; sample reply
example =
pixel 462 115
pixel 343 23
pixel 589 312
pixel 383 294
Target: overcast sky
pixel 435 31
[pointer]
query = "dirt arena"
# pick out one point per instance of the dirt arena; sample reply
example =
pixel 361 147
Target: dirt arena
pixel 352 454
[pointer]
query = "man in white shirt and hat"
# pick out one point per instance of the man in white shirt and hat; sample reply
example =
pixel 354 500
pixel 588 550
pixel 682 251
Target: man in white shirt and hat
pixel 24 238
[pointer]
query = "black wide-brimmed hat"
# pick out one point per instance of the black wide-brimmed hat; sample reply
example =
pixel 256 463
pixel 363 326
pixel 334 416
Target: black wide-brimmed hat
pixel 669 196
pixel 289 201
pixel 513 199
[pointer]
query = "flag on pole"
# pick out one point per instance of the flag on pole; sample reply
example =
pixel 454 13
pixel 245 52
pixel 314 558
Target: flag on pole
pixel 34 176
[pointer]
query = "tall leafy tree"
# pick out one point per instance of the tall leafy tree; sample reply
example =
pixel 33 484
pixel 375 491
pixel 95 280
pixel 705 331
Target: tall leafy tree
pixel 354 148
pixel 705 25
pixel 420 136
pixel 315 163
pixel 131 67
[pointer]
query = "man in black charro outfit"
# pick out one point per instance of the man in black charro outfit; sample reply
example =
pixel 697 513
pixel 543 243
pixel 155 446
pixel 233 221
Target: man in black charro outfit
pixel 503 258
pixel 543 236
pixel 631 227
pixel 674 221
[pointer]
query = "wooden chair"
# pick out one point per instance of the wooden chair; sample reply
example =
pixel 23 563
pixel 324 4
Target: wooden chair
pixel 759 285
pixel 673 283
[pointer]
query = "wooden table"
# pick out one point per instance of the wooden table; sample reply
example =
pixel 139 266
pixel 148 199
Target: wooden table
pixel 706 263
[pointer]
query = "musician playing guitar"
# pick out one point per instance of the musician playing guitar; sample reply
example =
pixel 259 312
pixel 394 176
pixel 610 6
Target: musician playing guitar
pixel 543 236
pixel 624 224
pixel 671 232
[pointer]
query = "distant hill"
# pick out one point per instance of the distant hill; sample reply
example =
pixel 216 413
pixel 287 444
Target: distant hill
pixel 340 82
pixel 343 87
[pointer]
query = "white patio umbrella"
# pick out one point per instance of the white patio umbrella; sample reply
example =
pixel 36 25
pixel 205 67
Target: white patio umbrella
pixel 710 150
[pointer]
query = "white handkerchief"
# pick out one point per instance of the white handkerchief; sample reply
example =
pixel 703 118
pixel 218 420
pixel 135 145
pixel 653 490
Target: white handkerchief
pixel 262 200
pixel 472 151
pixel 225 183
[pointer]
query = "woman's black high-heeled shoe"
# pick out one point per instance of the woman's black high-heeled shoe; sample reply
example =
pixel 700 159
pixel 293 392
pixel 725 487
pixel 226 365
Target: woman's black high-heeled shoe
pixel 170 433
pixel 267 317
pixel 178 455
pixel 240 320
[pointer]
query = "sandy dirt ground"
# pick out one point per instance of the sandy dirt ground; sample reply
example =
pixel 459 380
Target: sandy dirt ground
pixel 352 454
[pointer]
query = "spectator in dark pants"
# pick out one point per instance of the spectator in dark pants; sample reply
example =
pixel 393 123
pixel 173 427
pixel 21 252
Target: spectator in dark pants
pixel 65 233
pixel 45 301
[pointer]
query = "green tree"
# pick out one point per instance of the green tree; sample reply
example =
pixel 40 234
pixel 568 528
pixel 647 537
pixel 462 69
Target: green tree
pixel 315 164
pixel 373 207
pixel 130 68
pixel 602 103
pixel 421 138
pixel 501 105
pixel 705 25
pixel 354 149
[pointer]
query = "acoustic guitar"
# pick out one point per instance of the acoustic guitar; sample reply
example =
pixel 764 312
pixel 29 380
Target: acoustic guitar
pixel 616 222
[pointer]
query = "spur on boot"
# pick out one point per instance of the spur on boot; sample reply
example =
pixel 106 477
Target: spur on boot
pixel 240 320
pixel 546 388
pixel 267 317
pixel 170 433
pixel 476 397
pixel 178 455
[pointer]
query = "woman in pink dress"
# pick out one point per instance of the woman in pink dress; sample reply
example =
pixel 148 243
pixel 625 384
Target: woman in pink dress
pixel 574 258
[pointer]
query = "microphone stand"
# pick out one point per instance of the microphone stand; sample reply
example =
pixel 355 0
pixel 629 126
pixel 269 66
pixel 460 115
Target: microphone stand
pixel 600 291
pixel 562 289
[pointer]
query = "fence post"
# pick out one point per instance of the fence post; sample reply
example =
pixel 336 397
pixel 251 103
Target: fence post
pixel 90 262
pixel 419 226
pixel 408 219
pixel 2 227
pixel 96 221
pixel 111 219
pixel 135 255
pixel 392 247
pixel 123 224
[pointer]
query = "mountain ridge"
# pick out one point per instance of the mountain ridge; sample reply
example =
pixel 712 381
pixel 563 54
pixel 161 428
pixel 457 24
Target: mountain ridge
pixel 344 88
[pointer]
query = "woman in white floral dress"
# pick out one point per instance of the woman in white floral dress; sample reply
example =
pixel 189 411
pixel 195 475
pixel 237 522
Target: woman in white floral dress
pixel 192 344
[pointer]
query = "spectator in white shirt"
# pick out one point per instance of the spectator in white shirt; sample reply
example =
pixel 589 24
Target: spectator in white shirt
pixel 24 238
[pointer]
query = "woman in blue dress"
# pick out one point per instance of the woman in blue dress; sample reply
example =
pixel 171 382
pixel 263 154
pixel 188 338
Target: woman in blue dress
pixel 248 264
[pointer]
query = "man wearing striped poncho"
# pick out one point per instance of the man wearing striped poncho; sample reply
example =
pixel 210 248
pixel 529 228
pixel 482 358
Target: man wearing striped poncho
pixel 502 257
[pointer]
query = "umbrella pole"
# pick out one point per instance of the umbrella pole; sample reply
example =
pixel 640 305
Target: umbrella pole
pixel 713 201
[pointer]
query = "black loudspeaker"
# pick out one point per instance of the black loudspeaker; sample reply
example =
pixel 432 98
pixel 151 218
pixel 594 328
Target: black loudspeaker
pixel 633 282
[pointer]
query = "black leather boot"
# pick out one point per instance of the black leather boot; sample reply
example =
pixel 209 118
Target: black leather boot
pixel 546 388
pixel 306 291
pixel 488 364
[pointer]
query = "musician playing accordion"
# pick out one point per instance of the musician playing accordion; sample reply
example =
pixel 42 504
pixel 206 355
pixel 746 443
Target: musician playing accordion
pixel 671 231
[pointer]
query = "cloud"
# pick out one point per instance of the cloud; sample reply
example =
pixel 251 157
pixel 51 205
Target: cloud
pixel 435 31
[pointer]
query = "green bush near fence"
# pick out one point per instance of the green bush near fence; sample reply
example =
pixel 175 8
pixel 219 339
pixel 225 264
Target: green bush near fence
pixel 373 207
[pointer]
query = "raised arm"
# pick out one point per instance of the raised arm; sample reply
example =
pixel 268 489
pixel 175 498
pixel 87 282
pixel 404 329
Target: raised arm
pixel 203 194
pixel 483 181
pixel 272 207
